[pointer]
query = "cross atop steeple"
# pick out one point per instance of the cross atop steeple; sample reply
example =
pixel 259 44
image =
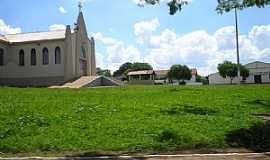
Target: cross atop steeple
pixel 80 5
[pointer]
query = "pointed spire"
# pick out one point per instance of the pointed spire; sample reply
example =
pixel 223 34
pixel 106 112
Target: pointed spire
pixel 80 5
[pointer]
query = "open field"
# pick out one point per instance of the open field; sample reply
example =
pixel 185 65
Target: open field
pixel 135 118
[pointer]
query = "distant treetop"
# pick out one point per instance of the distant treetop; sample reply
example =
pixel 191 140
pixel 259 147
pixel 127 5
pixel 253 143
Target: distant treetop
pixel 223 5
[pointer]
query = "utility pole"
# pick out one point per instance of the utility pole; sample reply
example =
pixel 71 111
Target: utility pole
pixel 237 44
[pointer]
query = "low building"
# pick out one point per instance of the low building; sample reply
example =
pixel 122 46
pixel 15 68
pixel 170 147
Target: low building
pixel 141 77
pixel 155 77
pixel 161 74
pixel 161 77
pixel 259 73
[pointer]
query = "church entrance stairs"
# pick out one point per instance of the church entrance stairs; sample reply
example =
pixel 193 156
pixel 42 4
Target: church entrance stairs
pixel 90 81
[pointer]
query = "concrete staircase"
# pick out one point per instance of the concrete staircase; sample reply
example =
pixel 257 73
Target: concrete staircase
pixel 80 82
pixel 90 81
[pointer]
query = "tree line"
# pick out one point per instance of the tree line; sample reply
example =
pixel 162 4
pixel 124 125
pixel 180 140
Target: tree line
pixel 222 5
pixel 177 72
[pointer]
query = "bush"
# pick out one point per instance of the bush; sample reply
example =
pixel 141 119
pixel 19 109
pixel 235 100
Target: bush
pixel 182 83
pixel 167 135
pixel 205 82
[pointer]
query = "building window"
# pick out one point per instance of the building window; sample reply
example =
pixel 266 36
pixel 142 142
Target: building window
pixel 33 57
pixel 45 56
pixel 1 57
pixel 57 55
pixel 21 57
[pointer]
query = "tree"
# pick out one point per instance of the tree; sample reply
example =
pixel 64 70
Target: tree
pixel 127 67
pixel 179 72
pixel 229 69
pixel 141 66
pixel 244 72
pixel 228 5
pixel 104 72
pixel 122 69
pixel 174 5
pixel 223 5
pixel 199 78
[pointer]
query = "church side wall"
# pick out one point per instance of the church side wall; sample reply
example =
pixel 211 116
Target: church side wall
pixel 39 74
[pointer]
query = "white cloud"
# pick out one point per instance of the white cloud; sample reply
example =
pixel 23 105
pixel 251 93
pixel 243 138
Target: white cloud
pixel 139 2
pixel 62 10
pixel 193 49
pixel 261 36
pixel 117 52
pixel 204 51
pixel 55 27
pixel 144 29
pixel 198 49
pixel 7 29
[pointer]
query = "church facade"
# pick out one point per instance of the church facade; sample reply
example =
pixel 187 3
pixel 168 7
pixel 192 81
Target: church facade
pixel 47 58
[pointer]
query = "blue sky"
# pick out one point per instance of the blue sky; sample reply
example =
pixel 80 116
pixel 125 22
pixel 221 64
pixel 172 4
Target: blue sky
pixel 198 36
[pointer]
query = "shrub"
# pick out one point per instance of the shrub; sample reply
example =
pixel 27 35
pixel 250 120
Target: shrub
pixel 182 83
pixel 167 135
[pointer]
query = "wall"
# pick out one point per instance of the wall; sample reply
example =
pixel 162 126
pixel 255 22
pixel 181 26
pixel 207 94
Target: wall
pixel 144 82
pixel 217 79
pixel 102 81
pixel 27 82
pixel 263 71
pixel 13 70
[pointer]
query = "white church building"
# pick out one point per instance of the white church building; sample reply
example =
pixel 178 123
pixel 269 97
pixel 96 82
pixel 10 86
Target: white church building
pixel 47 58
pixel 259 73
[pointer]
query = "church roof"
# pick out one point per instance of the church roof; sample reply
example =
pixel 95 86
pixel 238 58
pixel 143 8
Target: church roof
pixel 35 36
pixel 2 38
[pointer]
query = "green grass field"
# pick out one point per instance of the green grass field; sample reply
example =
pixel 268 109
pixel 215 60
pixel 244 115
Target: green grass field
pixel 135 118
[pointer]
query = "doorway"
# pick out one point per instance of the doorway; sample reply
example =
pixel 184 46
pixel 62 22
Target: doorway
pixel 83 67
pixel 258 79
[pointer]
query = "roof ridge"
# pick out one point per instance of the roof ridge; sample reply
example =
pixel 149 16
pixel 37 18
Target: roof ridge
pixel 257 62
pixel 34 32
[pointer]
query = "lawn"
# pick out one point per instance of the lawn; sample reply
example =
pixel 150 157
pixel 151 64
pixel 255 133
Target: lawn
pixel 135 118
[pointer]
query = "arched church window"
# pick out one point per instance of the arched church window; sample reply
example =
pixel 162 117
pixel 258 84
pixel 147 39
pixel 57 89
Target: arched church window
pixel 45 56
pixel 33 57
pixel 83 52
pixel 1 56
pixel 57 55
pixel 21 57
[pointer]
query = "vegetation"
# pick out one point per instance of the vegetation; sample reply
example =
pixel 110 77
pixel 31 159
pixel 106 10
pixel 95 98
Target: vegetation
pixel 223 5
pixel 200 78
pixel 127 67
pixel 174 5
pixel 244 72
pixel 135 118
pixel 229 69
pixel 228 5
pixel 104 72
pixel 179 72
